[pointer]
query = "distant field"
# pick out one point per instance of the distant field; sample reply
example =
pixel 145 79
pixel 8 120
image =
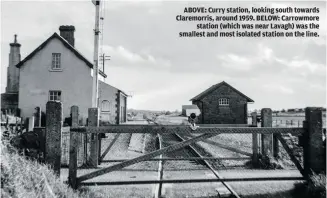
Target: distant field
pixel 288 121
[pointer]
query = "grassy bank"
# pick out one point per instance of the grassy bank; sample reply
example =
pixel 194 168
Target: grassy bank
pixel 22 178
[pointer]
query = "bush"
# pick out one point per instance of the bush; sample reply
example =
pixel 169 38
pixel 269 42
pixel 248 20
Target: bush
pixel 25 178
pixel 315 187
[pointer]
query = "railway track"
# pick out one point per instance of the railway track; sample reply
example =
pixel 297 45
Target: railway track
pixel 187 152
pixel 198 162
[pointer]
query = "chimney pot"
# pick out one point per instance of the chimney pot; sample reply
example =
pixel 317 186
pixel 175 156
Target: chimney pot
pixel 67 32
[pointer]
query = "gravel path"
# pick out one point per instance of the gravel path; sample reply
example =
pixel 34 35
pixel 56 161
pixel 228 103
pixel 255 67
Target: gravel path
pixel 120 151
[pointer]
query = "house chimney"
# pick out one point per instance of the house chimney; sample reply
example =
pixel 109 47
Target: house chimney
pixel 67 32
pixel 12 70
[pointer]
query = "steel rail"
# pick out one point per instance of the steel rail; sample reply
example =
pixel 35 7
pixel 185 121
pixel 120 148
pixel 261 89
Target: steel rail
pixel 160 169
pixel 211 168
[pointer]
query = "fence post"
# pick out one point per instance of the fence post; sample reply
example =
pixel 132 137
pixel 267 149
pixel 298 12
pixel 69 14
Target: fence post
pixel 275 146
pixel 254 140
pixel 37 117
pixel 42 138
pixel 313 141
pixel 99 148
pixel 21 125
pixel 93 119
pixel 30 124
pixel 53 135
pixel 73 147
pixel 266 139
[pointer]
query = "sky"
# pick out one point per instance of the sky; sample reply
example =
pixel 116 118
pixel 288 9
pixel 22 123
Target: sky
pixel 162 71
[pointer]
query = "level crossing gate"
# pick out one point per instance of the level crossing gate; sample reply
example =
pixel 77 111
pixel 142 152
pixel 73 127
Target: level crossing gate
pixel 309 137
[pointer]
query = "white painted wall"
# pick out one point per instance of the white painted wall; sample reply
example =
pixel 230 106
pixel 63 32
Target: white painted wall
pixel 74 81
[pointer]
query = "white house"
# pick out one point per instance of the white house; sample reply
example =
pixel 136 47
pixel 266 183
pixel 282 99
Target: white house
pixel 55 70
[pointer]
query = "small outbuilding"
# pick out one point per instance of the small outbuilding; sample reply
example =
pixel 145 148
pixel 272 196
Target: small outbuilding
pixel 222 104
pixel 188 109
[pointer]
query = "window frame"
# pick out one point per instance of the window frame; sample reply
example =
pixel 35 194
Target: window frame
pixel 59 94
pixel 108 110
pixel 56 61
pixel 223 102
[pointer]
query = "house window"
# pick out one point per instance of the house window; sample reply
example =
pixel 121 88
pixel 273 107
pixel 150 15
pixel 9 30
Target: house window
pixel 105 106
pixel 223 101
pixel 56 61
pixel 54 95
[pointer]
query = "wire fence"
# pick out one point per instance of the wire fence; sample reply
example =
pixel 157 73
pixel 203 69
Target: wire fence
pixel 287 123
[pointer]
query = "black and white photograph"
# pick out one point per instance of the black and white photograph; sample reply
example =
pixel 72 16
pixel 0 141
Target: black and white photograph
pixel 163 99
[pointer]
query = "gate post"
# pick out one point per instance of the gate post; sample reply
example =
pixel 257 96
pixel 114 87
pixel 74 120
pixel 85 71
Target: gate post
pixel 53 135
pixel 266 139
pixel 313 141
pixel 254 140
pixel 73 147
pixel 254 119
pixel 93 120
pixel 275 145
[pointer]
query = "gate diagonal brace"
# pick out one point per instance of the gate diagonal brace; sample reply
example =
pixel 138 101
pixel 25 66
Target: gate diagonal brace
pixel 109 147
pixel 145 157
pixel 290 153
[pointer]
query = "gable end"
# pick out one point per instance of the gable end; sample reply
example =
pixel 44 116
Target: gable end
pixel 215 87
pixel 67 45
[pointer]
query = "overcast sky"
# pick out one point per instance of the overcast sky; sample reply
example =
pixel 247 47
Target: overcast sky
pixel 163 71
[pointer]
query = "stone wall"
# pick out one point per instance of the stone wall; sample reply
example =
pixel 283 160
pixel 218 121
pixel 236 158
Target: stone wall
pixel 212 113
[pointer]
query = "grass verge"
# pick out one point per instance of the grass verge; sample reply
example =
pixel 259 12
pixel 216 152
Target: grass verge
pixel 22 178
pixel 315 187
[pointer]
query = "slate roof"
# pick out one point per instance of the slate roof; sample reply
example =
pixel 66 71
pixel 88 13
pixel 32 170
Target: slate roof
pixel 189 107
pixel 66 44
pixel 216 86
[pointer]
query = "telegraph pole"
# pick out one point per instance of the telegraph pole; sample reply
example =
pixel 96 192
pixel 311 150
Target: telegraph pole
pixel 95 86
pixel 103 59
